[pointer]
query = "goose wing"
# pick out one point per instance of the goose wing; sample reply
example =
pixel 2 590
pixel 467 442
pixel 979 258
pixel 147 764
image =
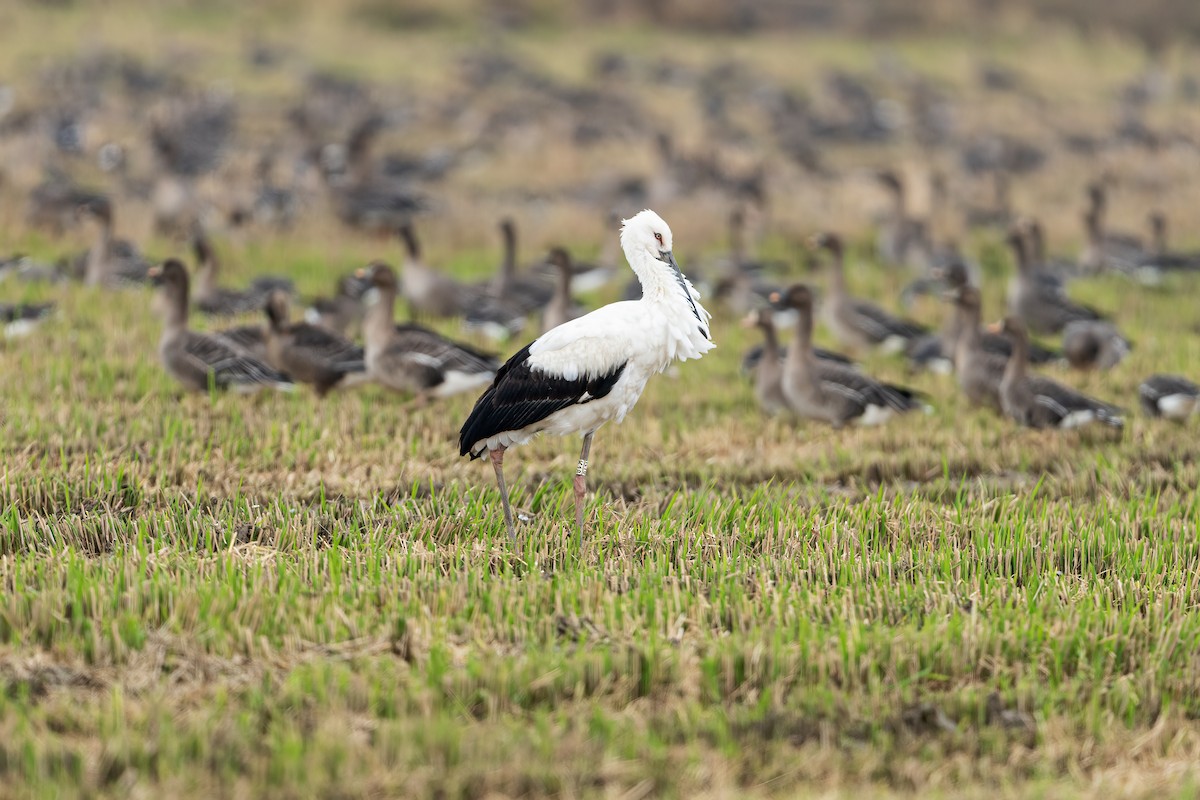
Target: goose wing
pixel 862 390
pixel 265 284
pixel 229 365
pixel 1054 404
pixel 1062 310
pixel 250 339
pixel 229 302
pixel 327 346
pixel 879 325
pixel 1158 388
pixel 438 350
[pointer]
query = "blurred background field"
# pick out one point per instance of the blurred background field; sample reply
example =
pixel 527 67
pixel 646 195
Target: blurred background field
pixel 285 596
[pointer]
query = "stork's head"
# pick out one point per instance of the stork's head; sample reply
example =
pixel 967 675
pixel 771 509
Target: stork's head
pixel 647 232
pixel 646 240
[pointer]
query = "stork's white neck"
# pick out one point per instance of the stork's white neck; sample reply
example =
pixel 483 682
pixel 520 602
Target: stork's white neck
pixel 670 291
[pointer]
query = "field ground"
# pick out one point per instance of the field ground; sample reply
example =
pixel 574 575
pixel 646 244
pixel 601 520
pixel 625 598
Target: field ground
pixel 283 597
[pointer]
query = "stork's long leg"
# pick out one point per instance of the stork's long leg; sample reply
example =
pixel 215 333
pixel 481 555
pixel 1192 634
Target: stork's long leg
pixel 581 483
pixel 497 457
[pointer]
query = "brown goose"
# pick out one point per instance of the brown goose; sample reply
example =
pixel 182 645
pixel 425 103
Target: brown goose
pixel 561 307
pixel 938 352
pixel 525 293
pixel 1098 207
pixel 997 215
pixel 251 339
pixel 1054 271
pixel 409 358
pixel 110 261
pixel 829 392
pixel 902 239
pixel 212 298
pixel 203 361
pixel 428 291
pixel 978 370
pixel 1169 397
pixel 590 276
pixel 362 195
pixel 768 371
pixel 21 319
pixel 935 351
pixel 309 353
pixel 1161 260
pixel 1041 305
pixel 342 313
pixel 1038 402
pixel 856 323
pixel 1093 344
pixel 1107 250
pixel 509 297
pixel 740 286
pixel 765 361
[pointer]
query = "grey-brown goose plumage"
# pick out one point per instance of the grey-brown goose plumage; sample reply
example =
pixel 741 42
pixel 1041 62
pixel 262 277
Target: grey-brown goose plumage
pixel 309 353
pixel 768 371
pixel 210 297
pixel 410 358
pixel 1041 305
pixel 110 261
pixel 1106 249
pixel 428 291
pixel 562 306
pixel 753 355
pixel 510 296
pixel 200 361
pixel 935 351
pixel 858 324
pixel 1038 402
pixel 979 371
pixel 20 319
pixel 938 352
pixel 740 285
pixel 1094 344
pixel 1042 267
pixel 251 339
pixel 828 392
pixel 343 312
pixel 1169 396
pixel 901 239
pixel 526 292
pixel 590 276
pixel 1161 259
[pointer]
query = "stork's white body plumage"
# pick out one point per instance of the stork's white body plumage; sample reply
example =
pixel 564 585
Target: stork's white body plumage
pixel 626 333
pixel 592 370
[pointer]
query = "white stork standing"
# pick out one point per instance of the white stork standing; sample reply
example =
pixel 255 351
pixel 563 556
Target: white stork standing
pixel 587 371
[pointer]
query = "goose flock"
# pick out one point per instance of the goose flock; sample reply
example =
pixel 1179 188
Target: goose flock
pixel 992 364
pixel 377 324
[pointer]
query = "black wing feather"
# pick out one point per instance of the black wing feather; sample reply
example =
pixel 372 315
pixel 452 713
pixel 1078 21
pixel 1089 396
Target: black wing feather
pixel 521 396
